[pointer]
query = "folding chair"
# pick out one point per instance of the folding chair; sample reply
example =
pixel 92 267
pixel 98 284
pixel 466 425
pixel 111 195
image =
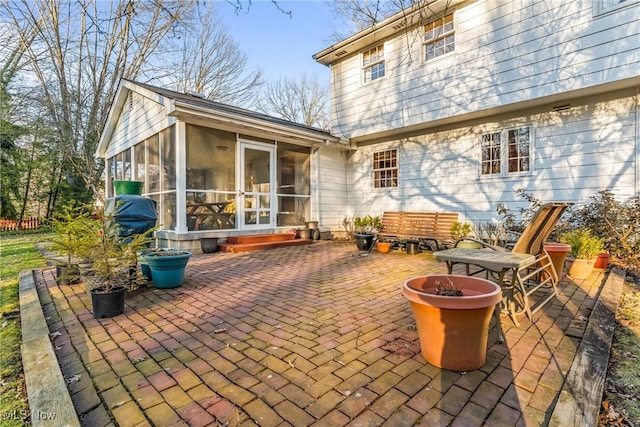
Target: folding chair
pixel 530 267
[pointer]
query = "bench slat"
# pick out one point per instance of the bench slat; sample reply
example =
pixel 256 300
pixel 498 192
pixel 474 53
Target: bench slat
pixel 432 226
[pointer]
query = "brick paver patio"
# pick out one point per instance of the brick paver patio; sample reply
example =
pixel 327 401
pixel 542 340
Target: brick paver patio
pixel 312 335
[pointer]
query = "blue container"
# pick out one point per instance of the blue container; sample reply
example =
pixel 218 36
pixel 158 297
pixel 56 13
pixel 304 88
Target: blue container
pixel 167 267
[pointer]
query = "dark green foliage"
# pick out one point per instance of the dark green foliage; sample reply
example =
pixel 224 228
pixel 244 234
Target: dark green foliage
pixel 616 222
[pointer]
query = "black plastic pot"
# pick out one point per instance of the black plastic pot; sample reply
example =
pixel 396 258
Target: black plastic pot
pixel 209 244
pixel 364 241
pixel 66 275
pixel 107 304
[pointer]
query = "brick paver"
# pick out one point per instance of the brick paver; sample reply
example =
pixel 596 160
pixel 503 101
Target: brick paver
pixel 314 335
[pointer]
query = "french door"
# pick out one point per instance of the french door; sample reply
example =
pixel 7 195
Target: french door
pixel 257 184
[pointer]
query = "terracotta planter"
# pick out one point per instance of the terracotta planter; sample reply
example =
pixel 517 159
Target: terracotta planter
pixel 558 253
pixel 383 247
pixel 602 261
pixel 581 268
pixel 453 331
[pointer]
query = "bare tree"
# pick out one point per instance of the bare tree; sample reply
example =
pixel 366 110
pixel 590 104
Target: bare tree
pixel 304 101
pixel 79 52
pixel 212 63
pixel 358 15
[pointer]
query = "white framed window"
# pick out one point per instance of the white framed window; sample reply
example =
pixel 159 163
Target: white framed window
pixel 605 6
pixel 506 152
pixel 373 63
pixel 439 37
pixel 385 169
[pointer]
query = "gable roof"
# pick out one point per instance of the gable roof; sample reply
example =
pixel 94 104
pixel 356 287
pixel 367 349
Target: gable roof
pixel 185 106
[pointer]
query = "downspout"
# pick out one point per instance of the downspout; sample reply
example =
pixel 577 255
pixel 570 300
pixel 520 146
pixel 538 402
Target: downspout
pixel 637 142
pixel 316 208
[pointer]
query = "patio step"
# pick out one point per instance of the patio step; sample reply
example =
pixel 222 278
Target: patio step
pixel 260 242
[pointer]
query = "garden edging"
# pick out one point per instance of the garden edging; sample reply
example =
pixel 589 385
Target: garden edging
pixel 49 400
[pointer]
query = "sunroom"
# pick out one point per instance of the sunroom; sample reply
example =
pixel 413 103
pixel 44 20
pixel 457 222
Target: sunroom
pixel 213 170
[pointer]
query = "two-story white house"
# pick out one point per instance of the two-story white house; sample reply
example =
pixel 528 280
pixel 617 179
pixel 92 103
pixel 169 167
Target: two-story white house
pixel 448 107
pixel 455 105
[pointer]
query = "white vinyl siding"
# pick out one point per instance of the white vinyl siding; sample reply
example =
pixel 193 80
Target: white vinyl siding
pixel 579 151
pixel 140 118
pixel 506 53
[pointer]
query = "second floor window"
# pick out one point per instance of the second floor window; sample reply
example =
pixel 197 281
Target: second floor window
pixel 385 169
pixel 439 37
pixel 507 151
pixel 373 63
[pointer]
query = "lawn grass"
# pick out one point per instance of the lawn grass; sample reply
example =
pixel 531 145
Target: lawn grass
pixel 623 375
pixel 17 252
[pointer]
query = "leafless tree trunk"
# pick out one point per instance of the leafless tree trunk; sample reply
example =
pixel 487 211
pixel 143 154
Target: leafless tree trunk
pixel 80 51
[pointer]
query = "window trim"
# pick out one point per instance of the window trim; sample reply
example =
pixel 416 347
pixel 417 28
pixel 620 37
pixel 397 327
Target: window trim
pixel 603 7
pixel 380 59
pixel 442 36
pixel 504 152
pixel 394 169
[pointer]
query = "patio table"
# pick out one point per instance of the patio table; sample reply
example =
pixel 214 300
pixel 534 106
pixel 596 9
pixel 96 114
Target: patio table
pixel 215 210
pixel 498 264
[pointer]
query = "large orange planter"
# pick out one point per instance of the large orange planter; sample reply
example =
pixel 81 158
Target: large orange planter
pixel 453 331
pixel 558 253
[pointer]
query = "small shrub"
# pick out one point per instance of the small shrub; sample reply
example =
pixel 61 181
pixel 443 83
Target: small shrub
pixel 616 223
pixel 583 244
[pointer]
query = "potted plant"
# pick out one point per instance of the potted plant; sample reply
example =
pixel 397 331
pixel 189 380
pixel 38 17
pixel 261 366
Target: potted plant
pixel 452 317
pixel 167 267
pixel 584 250
pixel 460 230
pixel 109 259
pixel 365 229
pixel 67 227
pixel 128 187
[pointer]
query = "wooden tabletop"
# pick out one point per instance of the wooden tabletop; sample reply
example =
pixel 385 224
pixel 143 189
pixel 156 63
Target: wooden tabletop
pixel 492 260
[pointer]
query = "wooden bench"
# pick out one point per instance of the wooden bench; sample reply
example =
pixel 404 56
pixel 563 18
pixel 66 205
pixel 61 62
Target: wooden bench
pixel 422 227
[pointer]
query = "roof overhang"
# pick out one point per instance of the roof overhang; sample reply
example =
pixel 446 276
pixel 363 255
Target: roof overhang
pixel 225 118
pixel 256 126
pixel 401 21
pixel 556 102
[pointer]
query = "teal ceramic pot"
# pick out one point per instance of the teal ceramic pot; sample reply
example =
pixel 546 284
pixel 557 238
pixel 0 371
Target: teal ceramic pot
pixel 167 267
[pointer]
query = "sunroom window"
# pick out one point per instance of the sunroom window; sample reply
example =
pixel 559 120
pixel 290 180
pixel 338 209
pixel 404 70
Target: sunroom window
pixel 439 37
pixel 373 63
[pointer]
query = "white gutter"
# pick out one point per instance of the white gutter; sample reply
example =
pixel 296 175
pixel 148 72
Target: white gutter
pixel 177 107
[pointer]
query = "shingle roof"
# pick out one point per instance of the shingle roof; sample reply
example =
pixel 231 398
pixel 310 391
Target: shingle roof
pixel 200 102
